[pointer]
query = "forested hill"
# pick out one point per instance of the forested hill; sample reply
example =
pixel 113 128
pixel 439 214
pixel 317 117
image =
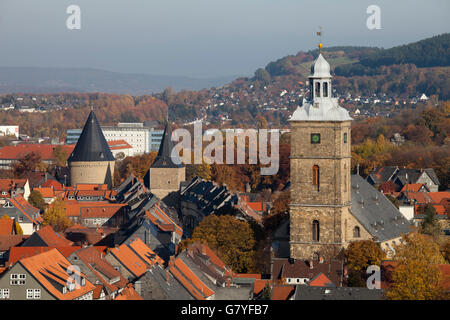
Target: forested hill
pixel 419 67
pixel 431 52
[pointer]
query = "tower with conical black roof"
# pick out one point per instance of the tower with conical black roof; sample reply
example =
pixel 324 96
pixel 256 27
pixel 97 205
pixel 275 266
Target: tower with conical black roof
pixel 167 171
pixel 91 160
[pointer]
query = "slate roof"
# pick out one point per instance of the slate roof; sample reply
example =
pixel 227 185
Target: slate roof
pixel 160 284
pixel 382 174
pixel 414 175
pixel 164 158
pixel 375 212
pixel 91 145
pixel 341 293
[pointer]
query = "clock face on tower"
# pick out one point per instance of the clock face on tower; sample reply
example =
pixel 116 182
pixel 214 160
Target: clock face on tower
pixel 315 138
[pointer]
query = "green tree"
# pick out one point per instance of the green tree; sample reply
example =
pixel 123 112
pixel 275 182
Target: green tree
pixel 60 156
pixel 267 292
pixel 36 200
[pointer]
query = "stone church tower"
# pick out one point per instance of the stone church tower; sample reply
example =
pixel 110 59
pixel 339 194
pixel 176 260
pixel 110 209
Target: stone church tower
pixel 91 161
pixel 165 175
pixel 320 169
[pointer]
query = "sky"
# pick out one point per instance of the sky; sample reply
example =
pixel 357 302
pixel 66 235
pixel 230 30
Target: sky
pixel 201 38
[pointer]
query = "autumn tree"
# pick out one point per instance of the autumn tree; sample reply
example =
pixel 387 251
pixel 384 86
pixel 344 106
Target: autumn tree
pixel 60 156
pixel 36 200
pixel 416 276
pixel 359 255
pixel 56 217
pixel 26 165
pixel 232 240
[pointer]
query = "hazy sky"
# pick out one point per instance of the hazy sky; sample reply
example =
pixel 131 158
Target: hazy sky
pixel 201 38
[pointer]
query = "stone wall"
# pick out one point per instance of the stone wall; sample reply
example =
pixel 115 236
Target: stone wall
pixel 91 172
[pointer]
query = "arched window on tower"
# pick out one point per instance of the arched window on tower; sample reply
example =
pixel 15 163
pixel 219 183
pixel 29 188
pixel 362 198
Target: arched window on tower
pixel 356 232
pixel 315 231
pixel 325 89
pixel 317 89
pixel 316 177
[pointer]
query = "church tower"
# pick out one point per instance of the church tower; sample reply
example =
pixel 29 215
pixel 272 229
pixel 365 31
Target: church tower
pixel 91 161
pixel 165 175
pixel 320 169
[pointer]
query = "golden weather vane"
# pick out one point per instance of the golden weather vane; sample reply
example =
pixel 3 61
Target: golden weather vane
pixel 319 33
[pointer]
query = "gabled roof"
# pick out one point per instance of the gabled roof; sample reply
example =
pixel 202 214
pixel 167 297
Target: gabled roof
pixel 7 242
pixel 145 253
pixel 18 253
pixel 32 213
pixel 51 267
pixel 129 259
pixel 101 268
pixel 164 157
pixel 129 293
pixel 321 280
pixel 196 287
pixel 382 174
pixel 91 145
pixel 49 237
pixel 283 292
pixel 303 292
pixel 414 187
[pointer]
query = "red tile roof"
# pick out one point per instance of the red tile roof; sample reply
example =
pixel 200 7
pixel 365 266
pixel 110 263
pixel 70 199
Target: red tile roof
pixel 101 268
pixel 6 226
pixel 7 242
pixel 18 253
pixel 52 238
pixel 21 150
pixel 282 292
pixel 129 293
pixel 129 259
pixel 119 145
pixel 32 213
pixel 53 183
pixel 80 209
pixel 189 280
pixel 52 265
pixel 413 187
pixel 259 285
pixel 8 185
pixel 438 197
pixel 321 280
pixel 145 253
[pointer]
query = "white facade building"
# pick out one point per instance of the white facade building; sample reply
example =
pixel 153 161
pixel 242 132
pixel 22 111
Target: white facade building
pixel 9 131
pixel 133 133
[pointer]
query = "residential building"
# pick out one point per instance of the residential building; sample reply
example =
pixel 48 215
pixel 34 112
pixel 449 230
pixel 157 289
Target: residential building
pixel 21 211
pixel 46 237
pixel 9 131
pixel 13 187
pixel 45 276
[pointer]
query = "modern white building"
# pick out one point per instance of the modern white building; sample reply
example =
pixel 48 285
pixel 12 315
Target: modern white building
pixel 9 131
pixel 142 139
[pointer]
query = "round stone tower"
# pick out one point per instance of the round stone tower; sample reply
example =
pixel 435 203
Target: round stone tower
pixel 91 161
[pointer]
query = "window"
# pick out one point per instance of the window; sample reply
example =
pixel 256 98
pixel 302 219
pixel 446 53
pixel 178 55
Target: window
pixel 356 232
pixel 315 231
pixel 315 138
pixel 30 294
pixel 4 293
pixel 317 89
pixel 316 177
pixel 325 89
pixel 345 137
pixel 37 293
